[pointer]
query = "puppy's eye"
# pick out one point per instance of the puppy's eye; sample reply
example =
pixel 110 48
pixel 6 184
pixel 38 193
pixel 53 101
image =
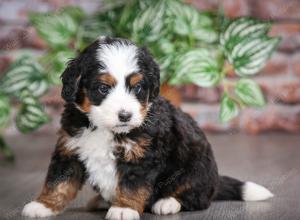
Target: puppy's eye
pixel 104 89
pixel 137 88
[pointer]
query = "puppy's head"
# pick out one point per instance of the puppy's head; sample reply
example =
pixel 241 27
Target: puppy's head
pixel 114 82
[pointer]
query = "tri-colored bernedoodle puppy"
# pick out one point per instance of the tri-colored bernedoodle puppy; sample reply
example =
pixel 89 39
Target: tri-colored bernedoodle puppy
pixel 139 152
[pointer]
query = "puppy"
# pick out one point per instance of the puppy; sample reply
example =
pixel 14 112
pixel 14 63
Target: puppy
pixel 138 151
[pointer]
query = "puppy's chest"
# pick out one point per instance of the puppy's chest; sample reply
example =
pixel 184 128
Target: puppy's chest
pixel 99 151
pixel 95 149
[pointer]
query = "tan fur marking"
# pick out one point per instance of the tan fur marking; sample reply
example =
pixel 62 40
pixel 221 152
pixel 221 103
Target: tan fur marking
pixel 58 197
pixel 132 199
pixel 144 142
pixel 63 138
pixel 144 109
pixel 181 189
pixel 86 104
pixel 137 149
pixel 108 79
pixel 135 79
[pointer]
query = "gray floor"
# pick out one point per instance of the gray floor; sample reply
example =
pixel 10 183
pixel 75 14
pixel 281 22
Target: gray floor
pixel 271 160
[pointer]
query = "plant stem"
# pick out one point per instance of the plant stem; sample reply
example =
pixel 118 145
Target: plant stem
pixel 191 41
pixel 227 84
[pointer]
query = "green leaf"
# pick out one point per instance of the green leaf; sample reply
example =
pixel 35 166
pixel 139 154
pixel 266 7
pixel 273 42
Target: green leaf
pixel 242 28
pixel 197 66
pixel 247 45
pixel 57 28
pixel 31 115
pixel 250 55
pixel 4 110
pixel 24 73
pixel 75 12
pixel 56 62
pixel 166 67
pixel 185 17
pixel 6 150
pixel 191 23
pixel 249 93
pixel 92 27
pixel 149 25
pixel 229 108
pixel 166 46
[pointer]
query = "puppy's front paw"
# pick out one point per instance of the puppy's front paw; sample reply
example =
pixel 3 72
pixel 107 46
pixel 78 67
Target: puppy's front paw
pixel 36 209
pixel 166 206
pixel 118 213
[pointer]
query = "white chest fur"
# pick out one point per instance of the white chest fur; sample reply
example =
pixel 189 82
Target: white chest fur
pixel 95 149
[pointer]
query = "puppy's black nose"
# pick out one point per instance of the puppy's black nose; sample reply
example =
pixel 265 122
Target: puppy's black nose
pixel 124 116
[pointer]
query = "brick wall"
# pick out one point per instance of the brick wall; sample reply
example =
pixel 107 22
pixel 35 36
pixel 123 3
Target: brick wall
pixel 280 79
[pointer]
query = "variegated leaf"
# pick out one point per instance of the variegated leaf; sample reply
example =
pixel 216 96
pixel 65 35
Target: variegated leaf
pixel 31 115
pixel 57 28
pixel 166 67
pixel 250 55
pixel 229 108
pixel 189 22
pixel 249 93
pixel 58 61
pixel 4 110
pixel 149 24
pixel 242 28
pixel 197 66
pixel 25 73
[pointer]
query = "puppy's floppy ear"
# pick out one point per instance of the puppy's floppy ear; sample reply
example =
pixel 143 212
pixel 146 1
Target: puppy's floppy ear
pixel 151 69
pixel 70 80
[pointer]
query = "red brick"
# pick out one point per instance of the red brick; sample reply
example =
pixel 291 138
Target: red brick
pixel 289 33
pixel 281 90
pixel 14 37
pixel 31 39
pixel 276 9
pixel 278 64
pixel 8 57
pixel 52 97
pixel 206 5
pixel 5 60
pixel 236 8
pixel 254 121
pixel 207 116
pixel 198 94
pixel 16 11
pixel 270 118
pixel 295 64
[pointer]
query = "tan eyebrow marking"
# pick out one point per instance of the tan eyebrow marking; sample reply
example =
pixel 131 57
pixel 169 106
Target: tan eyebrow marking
pixel 108 79
pixel 134 79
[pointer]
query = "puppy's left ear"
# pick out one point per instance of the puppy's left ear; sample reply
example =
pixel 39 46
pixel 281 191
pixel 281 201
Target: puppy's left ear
pixel 151 69
pixel 70 80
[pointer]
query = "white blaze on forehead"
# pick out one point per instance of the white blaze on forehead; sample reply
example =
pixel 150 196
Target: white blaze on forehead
pixel 120 59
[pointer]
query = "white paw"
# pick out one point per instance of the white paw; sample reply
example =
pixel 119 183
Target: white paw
pixel 166 206
pixel 118 213
pixel 36 209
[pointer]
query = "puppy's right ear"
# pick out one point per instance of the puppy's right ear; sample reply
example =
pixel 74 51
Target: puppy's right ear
pixel 70 80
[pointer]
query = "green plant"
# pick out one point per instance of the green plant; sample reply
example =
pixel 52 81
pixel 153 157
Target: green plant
pixel 190 46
